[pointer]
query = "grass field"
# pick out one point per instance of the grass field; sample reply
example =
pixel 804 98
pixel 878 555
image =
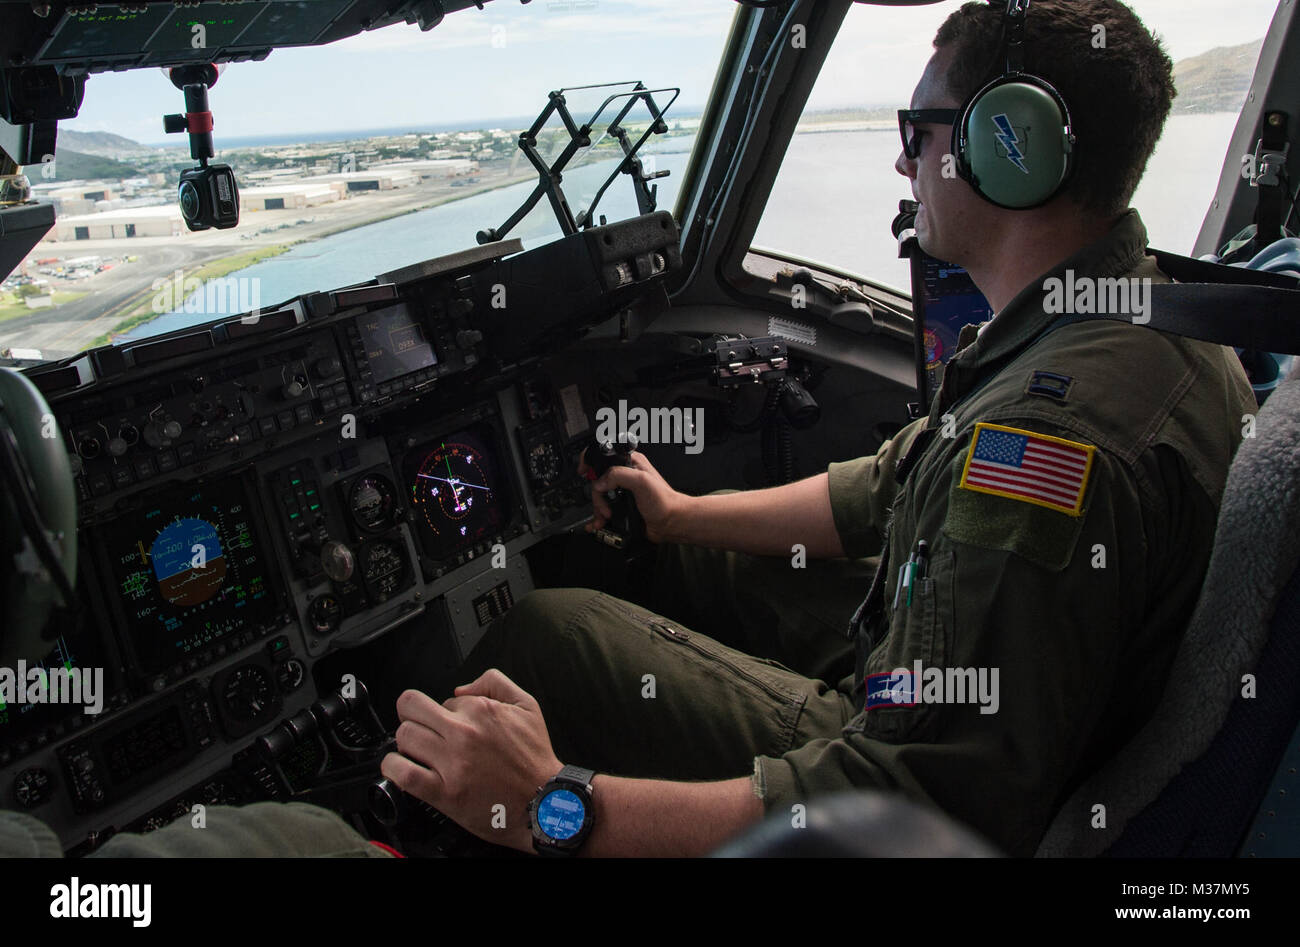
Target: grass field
pixel 11 307
pixel 139 309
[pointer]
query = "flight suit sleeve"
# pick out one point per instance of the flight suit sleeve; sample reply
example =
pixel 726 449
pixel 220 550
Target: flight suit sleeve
pixel 1029 638
pixel 862 493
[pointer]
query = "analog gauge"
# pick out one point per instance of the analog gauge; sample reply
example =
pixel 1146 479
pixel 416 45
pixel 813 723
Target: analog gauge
pixel 325 614
pixel 247 693
pixel 372 502
pixel 383 566
pixel 32 787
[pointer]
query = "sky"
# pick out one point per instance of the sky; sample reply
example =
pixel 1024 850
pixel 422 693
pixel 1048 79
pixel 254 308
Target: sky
pixel 500 62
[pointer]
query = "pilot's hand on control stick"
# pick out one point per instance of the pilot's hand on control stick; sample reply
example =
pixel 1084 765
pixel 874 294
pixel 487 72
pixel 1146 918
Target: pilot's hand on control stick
pixel 485 747
pixel 658 503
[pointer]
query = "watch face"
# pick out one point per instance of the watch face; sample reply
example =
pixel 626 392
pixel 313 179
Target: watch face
pixel 560 814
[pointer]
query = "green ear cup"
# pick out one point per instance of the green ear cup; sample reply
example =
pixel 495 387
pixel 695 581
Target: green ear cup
pixel 1014 142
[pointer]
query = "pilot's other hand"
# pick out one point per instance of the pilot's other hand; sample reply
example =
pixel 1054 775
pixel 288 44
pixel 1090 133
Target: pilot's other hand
pixel 478 757
pixel 658 503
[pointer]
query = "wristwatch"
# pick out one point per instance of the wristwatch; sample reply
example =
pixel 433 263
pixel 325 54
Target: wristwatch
pixel 561 813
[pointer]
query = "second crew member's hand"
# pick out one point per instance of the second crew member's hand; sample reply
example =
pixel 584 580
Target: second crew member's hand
pixel 658 503
pixel 477 757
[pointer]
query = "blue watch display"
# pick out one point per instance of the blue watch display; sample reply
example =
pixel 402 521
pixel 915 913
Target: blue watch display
pixel 561 812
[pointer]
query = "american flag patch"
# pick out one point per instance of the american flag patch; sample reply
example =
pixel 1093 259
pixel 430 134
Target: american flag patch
pixel 1033 468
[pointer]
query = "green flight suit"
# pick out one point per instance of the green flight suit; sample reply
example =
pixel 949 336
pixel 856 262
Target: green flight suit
pixel 1077 604
pixel 259 830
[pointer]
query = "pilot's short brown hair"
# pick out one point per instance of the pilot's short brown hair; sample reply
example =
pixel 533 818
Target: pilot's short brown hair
pixel 1119 93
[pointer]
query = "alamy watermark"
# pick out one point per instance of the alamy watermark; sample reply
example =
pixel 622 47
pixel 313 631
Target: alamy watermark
pixel 78 899
pixel 933 685
pixel 1089 296
pixel 59 685
pixel 219 296
pixel 652 426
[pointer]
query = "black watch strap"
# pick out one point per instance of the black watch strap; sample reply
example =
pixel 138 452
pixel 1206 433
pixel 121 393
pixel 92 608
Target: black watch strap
pixel 577 774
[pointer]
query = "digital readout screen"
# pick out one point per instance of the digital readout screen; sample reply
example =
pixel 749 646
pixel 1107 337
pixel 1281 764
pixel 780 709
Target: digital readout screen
pixel 394 343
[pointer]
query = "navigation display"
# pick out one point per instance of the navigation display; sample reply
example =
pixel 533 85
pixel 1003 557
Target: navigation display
pixel 456 491
pixel 189 570
pixel 394 343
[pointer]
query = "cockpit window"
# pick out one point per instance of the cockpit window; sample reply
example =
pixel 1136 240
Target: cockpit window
pixel 353 159
pixel 837 191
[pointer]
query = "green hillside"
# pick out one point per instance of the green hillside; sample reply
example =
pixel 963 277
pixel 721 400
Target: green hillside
pixel 75 166
pixel 1217 80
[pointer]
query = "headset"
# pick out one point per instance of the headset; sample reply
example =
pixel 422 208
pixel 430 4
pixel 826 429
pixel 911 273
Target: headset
pixel 38 522
pixel 1013 140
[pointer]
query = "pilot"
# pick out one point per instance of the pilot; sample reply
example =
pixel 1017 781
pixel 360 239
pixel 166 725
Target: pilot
pixel 36 491
pixel 1043 532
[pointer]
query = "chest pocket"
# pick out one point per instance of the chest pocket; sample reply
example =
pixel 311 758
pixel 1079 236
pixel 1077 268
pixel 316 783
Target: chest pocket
pixel 895 710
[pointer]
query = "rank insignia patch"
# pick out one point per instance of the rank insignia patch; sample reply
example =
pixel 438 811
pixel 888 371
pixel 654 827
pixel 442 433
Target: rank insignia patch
pixel 1033 468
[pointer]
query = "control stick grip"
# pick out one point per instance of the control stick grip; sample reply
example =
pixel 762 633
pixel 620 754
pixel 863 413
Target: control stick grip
pixel 601 455
pixel 626 524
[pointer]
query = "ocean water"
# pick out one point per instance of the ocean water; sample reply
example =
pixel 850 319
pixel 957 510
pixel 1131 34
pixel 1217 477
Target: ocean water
pixel 833 202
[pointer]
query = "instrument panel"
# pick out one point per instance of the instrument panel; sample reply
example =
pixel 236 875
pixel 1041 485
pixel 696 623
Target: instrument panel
pixel 259 493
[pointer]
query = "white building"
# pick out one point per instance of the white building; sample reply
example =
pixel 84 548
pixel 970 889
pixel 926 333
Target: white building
pixel 156 221
pixel 290 196
pixel 75 190
pixel 433 168
pixel 376 179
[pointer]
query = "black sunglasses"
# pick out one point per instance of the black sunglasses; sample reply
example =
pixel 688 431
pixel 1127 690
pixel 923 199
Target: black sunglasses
pixel 909 117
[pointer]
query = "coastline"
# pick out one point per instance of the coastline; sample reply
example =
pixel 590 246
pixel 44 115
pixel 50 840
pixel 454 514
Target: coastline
pixel 136 311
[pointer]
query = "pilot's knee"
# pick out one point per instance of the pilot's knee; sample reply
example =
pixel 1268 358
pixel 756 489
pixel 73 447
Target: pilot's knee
pixel 544 615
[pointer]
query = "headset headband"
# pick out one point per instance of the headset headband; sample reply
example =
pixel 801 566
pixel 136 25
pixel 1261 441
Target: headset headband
pixel 1013 35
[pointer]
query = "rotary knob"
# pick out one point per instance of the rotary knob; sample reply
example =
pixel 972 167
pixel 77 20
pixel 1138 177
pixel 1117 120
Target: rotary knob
pixel 289 675
pixel 327 367
pixel 158 435
pixel 337 560
pixel 117 446
pixel 293 389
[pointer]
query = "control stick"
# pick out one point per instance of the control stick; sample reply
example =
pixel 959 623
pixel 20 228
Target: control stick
pixel 625 524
